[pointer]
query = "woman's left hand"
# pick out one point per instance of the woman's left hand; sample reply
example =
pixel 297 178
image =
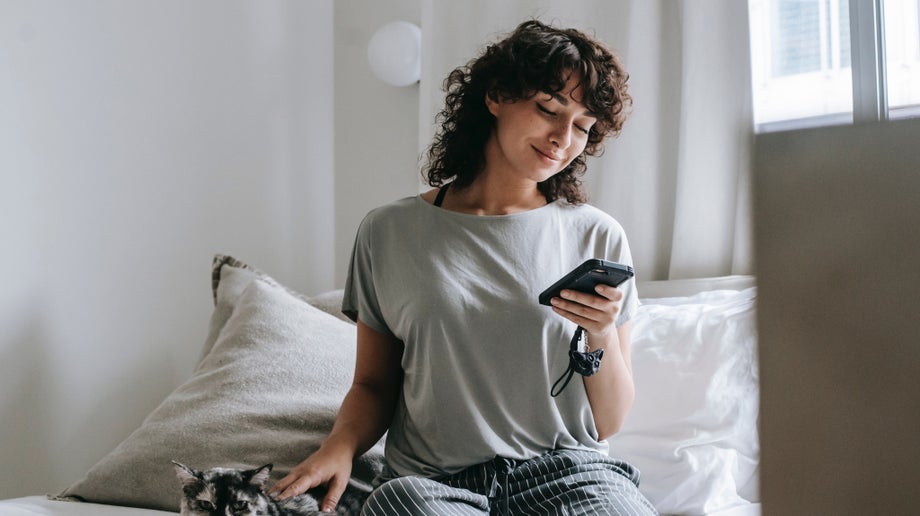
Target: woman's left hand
pixel 595 313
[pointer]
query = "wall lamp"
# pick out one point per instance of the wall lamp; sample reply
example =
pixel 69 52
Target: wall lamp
pixel 395 53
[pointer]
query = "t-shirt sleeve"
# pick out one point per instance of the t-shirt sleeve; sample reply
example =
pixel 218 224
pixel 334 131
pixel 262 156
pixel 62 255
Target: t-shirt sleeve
pixel 360 298
pixel 620 253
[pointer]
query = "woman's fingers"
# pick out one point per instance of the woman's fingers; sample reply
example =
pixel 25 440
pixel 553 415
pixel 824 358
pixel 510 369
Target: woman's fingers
pixel 595 313
pixel 297 482
pixel 287 487
pixel 281 485
pixel 298 486
pixel 326 466
pixel 334 494
pixel 611 293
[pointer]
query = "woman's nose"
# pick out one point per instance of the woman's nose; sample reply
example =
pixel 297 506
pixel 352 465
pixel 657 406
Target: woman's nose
pixel 561 135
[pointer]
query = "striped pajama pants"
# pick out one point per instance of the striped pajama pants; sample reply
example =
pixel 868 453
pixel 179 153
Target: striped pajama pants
pixel 563 482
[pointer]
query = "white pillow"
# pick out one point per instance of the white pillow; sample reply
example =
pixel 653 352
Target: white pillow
pixel 692 431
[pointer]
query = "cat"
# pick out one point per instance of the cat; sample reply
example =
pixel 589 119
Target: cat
pixel 240 492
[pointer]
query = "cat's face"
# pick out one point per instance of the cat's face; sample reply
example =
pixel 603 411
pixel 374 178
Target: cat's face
pixel 223 492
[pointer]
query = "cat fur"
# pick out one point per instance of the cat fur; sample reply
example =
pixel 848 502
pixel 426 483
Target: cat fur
pixel 240 492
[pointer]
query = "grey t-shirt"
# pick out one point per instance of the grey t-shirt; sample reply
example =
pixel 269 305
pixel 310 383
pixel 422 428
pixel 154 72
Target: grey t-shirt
pixel 481 354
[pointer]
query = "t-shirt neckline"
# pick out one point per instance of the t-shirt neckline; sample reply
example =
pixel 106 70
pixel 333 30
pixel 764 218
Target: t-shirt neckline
pixel 452 213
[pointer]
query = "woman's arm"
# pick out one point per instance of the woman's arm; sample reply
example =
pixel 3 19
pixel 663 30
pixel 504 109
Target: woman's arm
pixel 611 390
pixel 363 418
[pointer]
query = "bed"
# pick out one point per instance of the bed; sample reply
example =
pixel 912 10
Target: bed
pixel 276 364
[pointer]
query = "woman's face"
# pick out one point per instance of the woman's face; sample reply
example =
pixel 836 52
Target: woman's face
pixel 537 137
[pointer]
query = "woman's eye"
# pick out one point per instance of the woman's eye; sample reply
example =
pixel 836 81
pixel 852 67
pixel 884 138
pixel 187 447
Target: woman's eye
pixel 543 109
pixel 582 129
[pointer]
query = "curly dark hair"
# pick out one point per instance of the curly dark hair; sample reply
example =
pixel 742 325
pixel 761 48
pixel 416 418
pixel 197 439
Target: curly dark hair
pixel 534 58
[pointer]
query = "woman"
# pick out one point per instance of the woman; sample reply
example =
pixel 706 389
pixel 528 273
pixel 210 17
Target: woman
pixel 456 358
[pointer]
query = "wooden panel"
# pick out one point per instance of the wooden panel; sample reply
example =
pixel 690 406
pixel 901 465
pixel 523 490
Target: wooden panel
pixel 837 223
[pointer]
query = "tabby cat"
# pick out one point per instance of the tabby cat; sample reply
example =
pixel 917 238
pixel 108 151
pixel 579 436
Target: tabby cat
pixel 238 492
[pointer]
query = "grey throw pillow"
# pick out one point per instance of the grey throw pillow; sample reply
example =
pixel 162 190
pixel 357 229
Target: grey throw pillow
pixel 267 389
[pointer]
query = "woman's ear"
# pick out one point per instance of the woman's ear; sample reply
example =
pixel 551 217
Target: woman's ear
pixel 492 104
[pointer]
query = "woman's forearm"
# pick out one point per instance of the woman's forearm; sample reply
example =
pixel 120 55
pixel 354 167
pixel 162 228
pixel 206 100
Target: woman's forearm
pixel 611 390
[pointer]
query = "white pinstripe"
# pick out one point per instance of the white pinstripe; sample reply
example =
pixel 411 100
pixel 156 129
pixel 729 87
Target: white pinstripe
pixel 424 496
pixel 563 483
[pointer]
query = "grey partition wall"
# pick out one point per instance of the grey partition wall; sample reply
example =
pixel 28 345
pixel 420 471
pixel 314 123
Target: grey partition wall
pixel 837 224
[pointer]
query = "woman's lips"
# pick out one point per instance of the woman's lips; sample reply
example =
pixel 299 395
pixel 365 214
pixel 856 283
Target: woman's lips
pixel 547 156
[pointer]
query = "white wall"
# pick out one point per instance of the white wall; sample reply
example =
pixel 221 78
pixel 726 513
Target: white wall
pixel 137 139
pixel 376 136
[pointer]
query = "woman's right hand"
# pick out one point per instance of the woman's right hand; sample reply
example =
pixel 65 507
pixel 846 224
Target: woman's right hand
pixel 329 466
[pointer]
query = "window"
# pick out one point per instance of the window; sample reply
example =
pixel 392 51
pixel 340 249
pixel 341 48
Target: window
pixel 902 47
pixel 814 62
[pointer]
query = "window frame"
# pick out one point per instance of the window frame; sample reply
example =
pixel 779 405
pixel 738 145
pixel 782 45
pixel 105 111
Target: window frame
pixel 867 53
pixel 868 72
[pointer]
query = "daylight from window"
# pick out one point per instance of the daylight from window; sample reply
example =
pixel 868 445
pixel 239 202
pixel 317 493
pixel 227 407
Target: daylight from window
pixel 800 59
pixel 902 47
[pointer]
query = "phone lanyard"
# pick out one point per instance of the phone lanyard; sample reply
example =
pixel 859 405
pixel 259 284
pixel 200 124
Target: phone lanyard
pixel 585 363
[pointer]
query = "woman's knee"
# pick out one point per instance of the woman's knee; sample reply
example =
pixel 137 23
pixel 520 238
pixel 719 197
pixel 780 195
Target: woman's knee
pixel 420 496
pixel 397 496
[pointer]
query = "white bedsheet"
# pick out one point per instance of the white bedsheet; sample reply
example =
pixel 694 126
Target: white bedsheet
pixel 743 510
pixel 42 506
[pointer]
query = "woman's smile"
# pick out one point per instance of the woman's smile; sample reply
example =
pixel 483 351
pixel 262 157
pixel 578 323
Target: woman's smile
pixel 548 157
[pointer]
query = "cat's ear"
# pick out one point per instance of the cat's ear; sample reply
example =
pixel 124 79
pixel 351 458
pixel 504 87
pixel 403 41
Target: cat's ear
pixel 260 475
pixel 186 474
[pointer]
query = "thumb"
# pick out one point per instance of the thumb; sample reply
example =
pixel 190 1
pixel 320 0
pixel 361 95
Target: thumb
pixel 334 494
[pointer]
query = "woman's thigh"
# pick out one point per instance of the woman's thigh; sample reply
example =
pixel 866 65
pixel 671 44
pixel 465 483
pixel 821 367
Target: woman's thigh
pixel 577 482
pixel 418 496
pixel 565 482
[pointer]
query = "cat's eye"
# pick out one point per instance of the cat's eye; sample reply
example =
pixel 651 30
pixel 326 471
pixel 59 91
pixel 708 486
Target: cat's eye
pixel 239 505
pixel 205 505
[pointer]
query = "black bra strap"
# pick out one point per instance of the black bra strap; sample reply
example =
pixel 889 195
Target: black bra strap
pixel 441 193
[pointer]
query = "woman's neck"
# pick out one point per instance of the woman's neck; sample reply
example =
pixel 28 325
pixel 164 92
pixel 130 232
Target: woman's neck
pixel 489 195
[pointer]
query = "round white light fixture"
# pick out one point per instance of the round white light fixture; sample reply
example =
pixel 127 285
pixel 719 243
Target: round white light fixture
pixel 395 53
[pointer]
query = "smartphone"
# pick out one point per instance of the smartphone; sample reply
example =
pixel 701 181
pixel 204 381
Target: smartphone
pixel 587 276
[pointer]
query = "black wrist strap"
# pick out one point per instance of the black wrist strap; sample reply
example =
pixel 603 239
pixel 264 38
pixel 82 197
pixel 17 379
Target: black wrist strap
pixel 585 363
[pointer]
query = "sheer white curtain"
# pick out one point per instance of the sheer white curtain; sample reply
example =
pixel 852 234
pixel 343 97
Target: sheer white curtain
pixel 677 177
